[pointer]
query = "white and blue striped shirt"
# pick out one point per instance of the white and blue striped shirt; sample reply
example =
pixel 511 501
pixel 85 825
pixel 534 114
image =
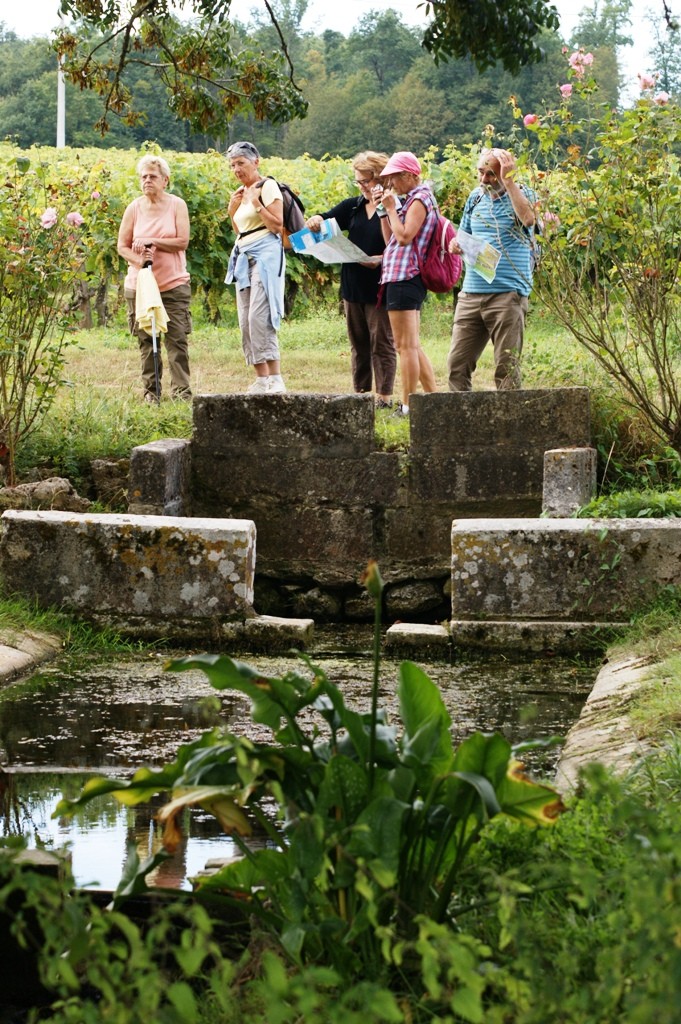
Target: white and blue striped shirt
pixel 495 221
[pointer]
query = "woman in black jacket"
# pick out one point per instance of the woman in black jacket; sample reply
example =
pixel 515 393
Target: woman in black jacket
pixel 373 352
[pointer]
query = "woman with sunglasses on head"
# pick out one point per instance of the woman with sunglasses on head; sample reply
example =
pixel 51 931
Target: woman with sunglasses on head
pixel 257 266
pixel 373 353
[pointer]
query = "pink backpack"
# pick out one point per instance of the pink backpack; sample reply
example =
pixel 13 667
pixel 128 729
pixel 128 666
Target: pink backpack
pixel 440 269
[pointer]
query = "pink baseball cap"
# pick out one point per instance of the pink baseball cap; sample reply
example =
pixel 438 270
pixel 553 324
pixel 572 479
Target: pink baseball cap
pixel 402 161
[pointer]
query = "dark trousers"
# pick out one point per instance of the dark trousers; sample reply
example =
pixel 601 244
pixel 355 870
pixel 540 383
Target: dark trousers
pixel 176 302
pixel 372 346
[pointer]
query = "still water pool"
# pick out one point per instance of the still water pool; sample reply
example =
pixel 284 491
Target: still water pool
pixel 105 717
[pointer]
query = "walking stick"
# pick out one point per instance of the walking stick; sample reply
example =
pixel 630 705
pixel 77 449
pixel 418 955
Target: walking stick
pixel 154 348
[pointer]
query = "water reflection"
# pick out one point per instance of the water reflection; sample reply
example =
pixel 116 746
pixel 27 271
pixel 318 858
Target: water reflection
pixel 99 837
pixel 114 717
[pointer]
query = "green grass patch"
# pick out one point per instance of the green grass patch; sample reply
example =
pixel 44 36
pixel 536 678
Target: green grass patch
pixel 646 504
pixel 656 709
pixel 20 616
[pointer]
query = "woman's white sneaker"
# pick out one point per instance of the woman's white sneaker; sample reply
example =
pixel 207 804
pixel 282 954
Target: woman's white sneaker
pixel 260 386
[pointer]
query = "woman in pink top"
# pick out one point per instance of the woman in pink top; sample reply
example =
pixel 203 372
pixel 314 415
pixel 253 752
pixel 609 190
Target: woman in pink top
pixel 407 227
pixel 155 228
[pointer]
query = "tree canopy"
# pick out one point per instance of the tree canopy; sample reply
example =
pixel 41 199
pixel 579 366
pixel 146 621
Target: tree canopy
pixel 376 88
pixel 210 77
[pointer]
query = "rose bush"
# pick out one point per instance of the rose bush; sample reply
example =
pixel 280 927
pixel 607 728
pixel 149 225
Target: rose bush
pixel 611 268
pixel 41 258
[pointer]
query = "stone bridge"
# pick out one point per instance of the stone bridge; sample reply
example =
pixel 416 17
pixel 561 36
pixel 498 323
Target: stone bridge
pixel 325 500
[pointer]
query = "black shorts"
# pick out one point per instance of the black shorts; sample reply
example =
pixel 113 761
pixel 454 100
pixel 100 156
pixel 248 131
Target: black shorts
pixel 405 294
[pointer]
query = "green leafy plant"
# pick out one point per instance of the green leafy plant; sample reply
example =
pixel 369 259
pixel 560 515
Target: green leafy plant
pixel 89 964
pixel 634 505
pixel 587 914
pixel 372 826
pixel 42 258
pixel 608 193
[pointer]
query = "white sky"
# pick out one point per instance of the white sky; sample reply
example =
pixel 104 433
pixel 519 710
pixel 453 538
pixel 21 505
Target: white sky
pixel 38 17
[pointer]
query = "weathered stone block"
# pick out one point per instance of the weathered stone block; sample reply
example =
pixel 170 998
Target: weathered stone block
pixel 160 478
pixel 53 493
pixel 543 418
pixel 145 566
pixel 508 481
pixel 416 640
pixel 239 477
pixel 20 654
pixel 330 545
pixel 522 638
pixel 317 604
pixel 604 731
pixel 359 607
pixel 561 569
pixel 416 542
pixel 272 633
pixel 335 426
pixel 569 480
pixel 110 478
pixel 414 601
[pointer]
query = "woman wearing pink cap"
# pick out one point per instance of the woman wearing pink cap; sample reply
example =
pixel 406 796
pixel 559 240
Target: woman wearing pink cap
pixel 406 229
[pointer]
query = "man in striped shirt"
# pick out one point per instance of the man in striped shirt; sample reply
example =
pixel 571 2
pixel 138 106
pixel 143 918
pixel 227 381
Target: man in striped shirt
pixel 502 212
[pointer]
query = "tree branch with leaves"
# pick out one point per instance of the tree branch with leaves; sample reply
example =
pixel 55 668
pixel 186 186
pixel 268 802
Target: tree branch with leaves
pixel 208 74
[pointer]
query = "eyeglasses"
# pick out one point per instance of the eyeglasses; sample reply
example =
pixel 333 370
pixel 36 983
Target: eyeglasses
pixel 363 181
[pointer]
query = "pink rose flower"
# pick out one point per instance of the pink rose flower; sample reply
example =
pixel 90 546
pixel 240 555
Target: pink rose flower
pixel 530 119
pixel 566 91
pixel 661 98
pixel 95 194
pixel 646 81
pixel 49 218
pixel 579 61
pixel 75 219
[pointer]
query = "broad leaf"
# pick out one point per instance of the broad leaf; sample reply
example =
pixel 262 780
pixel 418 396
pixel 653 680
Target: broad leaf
pixel 531 802
pixel 425 718
pixel 261 868
pixel 134 878
pixel 216 800
pixel 344 790
pixel 487 755
pixel 378 838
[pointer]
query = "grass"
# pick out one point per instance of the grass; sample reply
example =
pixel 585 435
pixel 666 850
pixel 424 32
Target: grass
pixel 315 355
pixel 655 636
pixel 656 708
pixel 19 616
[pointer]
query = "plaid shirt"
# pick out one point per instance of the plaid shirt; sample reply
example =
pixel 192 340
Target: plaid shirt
pixel 401 262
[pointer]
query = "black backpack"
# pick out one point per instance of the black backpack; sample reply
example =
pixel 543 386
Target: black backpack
pixel 294 208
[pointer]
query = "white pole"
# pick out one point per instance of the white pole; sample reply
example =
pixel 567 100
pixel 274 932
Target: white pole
pixel 61 103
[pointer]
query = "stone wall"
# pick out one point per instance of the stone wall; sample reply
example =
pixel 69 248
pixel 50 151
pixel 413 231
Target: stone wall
pixel 305 468
pixel 131 570
pixel 550 583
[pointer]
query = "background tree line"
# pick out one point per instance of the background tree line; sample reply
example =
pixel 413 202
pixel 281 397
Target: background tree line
pixel 375 88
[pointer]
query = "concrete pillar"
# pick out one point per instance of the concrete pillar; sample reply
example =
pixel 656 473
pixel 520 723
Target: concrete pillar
pixel 569 480
pixel 160 478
